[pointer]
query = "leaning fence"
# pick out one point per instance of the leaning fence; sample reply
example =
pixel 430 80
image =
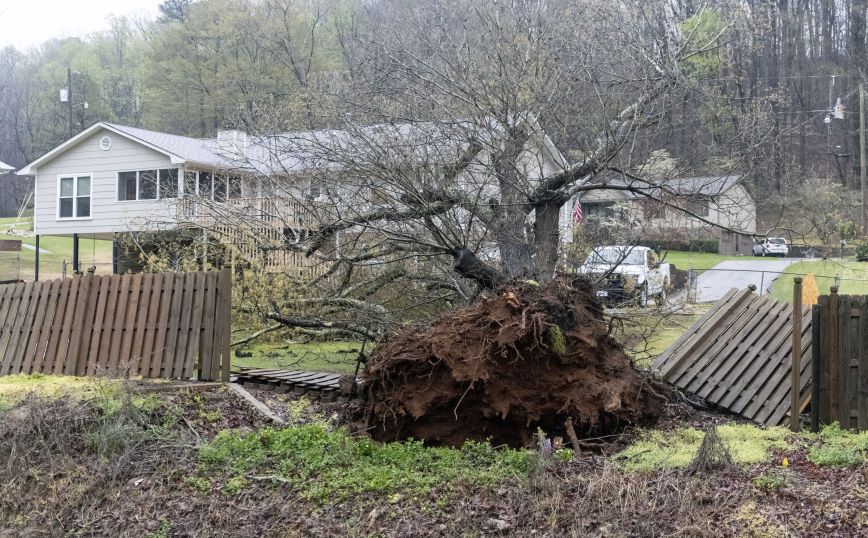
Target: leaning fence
pixel 155 325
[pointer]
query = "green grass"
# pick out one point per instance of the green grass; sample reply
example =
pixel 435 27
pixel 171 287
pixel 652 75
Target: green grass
pixel 91 251
pixel 646 337
pixel 657 450
pixel 338 357
pixel 329 465
pixel 853 275
pixel 697 260
pixel 13 388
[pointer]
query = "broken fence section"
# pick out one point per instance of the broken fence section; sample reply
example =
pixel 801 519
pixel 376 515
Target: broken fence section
pixel 737 357
pixel 157 325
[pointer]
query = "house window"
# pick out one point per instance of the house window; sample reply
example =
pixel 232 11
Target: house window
pixel 215 187
pixel 168 183
pixel 74 197
pixel 147 184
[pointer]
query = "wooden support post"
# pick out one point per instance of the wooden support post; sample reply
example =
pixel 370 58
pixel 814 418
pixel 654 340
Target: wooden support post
pixel 36 261
pixel 815 367
pixel 834 321
pixel 796 363
pixel 226 313
pixel 76 262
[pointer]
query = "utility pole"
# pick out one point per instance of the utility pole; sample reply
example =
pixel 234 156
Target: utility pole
pixel 69 101
pixel 863 180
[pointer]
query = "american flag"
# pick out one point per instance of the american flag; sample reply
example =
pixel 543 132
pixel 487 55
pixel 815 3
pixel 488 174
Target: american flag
pixel 578 216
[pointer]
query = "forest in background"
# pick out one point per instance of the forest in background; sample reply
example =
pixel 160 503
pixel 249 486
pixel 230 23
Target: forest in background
pixel 756 102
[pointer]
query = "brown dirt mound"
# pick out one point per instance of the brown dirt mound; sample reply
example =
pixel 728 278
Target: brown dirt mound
pixel 493 370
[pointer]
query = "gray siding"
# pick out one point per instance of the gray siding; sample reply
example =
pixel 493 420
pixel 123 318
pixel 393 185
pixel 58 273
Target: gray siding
pixel 107 214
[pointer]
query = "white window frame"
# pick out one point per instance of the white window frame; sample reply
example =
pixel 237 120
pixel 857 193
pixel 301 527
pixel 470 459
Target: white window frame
pixel 214 178
pixel 138 171
pixel 74 177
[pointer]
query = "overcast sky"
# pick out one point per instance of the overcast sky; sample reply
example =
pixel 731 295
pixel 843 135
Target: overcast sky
pixel 26 23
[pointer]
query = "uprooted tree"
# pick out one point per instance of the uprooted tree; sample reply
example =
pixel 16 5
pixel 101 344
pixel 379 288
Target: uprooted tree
pixel 444 175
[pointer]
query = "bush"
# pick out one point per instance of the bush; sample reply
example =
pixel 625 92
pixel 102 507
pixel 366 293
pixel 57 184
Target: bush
pixel 836 447
pixel 862 252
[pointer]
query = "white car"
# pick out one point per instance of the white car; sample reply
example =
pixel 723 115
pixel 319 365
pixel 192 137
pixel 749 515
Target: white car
pixel 771 246
pixel 628 273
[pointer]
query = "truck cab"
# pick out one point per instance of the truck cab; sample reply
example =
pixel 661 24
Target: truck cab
pixel 628 274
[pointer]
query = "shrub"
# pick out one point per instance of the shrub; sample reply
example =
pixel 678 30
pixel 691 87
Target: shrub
pixel 836 447
pixel 862 252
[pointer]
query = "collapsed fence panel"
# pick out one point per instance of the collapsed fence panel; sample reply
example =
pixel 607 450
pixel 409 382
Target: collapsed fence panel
pixel 738 357
pixel 169 325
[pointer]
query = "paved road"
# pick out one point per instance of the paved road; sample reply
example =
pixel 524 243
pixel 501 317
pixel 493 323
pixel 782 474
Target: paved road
pixel 713 284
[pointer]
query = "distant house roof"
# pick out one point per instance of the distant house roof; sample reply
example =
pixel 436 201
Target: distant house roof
pixel 5 168
pixel 293 152
pixel 628 189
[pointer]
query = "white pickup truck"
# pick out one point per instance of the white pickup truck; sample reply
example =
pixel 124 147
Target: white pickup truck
pixel 628 273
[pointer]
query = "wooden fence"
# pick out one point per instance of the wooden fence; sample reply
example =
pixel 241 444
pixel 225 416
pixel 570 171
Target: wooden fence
pixel 738 357
pixel 157 325
pixel 840 361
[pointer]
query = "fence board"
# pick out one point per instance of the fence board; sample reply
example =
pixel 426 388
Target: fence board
pixel 153 325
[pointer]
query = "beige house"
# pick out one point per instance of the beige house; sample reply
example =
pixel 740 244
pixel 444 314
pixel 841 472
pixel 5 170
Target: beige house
pixel 680 209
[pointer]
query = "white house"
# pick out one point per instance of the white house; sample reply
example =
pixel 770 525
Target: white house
pixel 112 179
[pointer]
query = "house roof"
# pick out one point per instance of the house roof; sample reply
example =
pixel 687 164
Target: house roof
pixel 293 152
pixel 628 189
pixel 5 167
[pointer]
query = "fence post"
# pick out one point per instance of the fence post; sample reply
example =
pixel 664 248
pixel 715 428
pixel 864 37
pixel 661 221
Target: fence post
pixel 834 321
pixel 226 314
pixel 816 312
pixel 796 363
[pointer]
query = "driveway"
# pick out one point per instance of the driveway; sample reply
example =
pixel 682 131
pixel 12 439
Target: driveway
pixel 714 283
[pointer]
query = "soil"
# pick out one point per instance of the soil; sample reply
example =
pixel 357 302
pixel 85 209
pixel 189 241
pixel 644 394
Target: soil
pixel 527 356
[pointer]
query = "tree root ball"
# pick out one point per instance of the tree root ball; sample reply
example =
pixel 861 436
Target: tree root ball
pixel 524 357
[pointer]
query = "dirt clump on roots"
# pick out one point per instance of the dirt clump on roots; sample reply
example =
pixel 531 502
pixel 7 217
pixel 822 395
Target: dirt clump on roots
pixel 527 356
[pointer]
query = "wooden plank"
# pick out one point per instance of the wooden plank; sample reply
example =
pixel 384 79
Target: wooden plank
pixel 180 368
pixel 103 357
pixel 719 336
pixel 125 357
pixel 225 305
pixel 159 352
pixel 7 339
pixel 118 326
pixel 170 356
pixel 19 322
pixel 833 339
pixel 772 403
pixel 88 340
pixel 38 326
pixel 815 368
pixel 739 332
pixel 206 342
pixel 195 333
pixel 796 356
pixel 42 361
pixel 150 336
pixel 862 371
pixel 744 371
pixel 681 361
pixel 255 404
pixel 664 362
pixel 98 323
pixel 753 396
pixel 81 311
pixel 27 327
pixel 63 325
pixel 6 292
pixel 141 330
